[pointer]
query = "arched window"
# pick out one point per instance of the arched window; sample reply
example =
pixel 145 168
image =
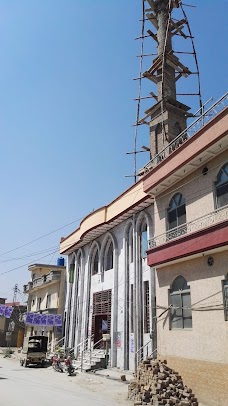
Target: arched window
pixel 71 271
pixel 108 257
pixel 225 295
pixel 144 240
pixel 130 245
pixel 176 211
pixel 95 261
pixel 221 187
pixel 180 299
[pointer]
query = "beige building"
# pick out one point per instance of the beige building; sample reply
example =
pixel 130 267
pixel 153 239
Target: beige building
pixel 190 253
pixel 46 295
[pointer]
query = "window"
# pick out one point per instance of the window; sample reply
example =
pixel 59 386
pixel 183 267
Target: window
pixel 221 187
pixel 130 245
pixel 180 299
pixel 132 308
pixel 38 303
pixel 71 273
pixel 48 302
pixel 176 217
pixel 144 243
pixel 95 263
pixel 108 260
pixel 146 307
pixel 225 294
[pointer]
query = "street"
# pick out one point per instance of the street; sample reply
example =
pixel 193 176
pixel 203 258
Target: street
pixel 43 387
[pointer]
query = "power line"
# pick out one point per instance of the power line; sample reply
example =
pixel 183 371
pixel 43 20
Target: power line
pixel 135 192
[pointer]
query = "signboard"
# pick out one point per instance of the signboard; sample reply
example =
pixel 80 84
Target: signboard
pixel 6 311
pixel 37 319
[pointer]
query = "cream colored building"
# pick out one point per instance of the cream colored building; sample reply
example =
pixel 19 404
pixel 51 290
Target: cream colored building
pixel 46 295
pixel 190 253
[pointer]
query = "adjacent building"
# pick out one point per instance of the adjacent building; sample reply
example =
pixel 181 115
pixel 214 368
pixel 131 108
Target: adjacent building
pixel 46 295
pixel 12 328
pixel 189 251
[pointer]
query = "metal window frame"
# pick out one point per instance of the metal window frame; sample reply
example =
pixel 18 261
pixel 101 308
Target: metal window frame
pixel 180 293
pixel 225 287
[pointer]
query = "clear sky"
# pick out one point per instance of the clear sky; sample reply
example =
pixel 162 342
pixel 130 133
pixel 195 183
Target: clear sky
pixel 67 110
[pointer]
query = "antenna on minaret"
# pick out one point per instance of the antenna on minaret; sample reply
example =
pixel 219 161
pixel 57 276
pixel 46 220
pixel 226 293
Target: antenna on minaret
pixel 167 118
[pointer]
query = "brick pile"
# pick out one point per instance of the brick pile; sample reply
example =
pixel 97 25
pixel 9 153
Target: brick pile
pixel 157 384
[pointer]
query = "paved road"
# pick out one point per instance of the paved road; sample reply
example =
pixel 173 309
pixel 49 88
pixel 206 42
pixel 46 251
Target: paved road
pixel 33 386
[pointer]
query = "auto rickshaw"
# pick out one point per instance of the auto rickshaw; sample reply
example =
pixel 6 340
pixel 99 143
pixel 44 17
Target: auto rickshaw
pixel 34 351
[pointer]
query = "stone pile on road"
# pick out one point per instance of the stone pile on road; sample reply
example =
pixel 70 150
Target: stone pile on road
pixel 157 384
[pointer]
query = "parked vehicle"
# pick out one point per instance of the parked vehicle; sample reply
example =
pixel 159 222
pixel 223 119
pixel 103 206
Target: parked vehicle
pixel 69 366
pixel 34 351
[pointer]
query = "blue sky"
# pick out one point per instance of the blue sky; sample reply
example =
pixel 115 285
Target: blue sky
pixel 66 113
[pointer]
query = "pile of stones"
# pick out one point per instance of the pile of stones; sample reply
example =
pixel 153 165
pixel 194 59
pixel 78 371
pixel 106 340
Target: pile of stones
pixel 157 384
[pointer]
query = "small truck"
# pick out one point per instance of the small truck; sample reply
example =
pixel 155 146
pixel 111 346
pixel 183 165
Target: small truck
pixel 34 351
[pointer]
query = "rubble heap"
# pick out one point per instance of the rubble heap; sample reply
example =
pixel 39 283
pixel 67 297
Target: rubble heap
pixel 157 384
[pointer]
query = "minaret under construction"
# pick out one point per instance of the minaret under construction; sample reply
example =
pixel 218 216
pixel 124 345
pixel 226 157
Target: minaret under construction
pixel 167 118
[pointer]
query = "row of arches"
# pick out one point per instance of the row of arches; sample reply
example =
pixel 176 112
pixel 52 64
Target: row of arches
pixel 103 256
pixel 113 251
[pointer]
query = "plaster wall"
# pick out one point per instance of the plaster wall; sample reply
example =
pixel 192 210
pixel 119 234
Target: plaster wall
pixel 207 340
pixel 198 191
pixel 114 279
pixel 42 293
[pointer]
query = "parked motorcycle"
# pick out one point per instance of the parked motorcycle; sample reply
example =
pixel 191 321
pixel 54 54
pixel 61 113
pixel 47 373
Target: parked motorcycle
pixel 69 366
pixel 56 364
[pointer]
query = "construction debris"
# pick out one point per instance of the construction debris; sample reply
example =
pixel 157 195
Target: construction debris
pixel 157 384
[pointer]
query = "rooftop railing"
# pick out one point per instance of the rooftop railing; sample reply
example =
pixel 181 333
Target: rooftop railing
pixel 37 282
pixel 195 126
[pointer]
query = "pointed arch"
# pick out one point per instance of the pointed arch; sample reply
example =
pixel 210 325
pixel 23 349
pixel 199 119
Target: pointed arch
pixel 108 252
pixel 143 228
pixel 176 211
pixel 221 187
pixel 180 300
pixel 94 258
pixel 128 234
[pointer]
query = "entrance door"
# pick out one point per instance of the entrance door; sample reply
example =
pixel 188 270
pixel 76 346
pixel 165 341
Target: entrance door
pixel 101 319
pixel 101 326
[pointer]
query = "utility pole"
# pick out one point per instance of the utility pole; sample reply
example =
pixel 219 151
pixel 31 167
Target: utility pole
pixel 15 290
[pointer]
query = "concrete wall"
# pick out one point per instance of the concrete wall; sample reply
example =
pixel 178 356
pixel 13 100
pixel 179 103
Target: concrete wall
pixel 208 380
pixel 198 191
pixel 119 281
pixel 58 294
pixel 207 340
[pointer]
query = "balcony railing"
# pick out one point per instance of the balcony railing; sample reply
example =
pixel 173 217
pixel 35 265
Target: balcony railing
pixel 215 217
pixel 42 280
pixel 28 287
pixel 195 126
